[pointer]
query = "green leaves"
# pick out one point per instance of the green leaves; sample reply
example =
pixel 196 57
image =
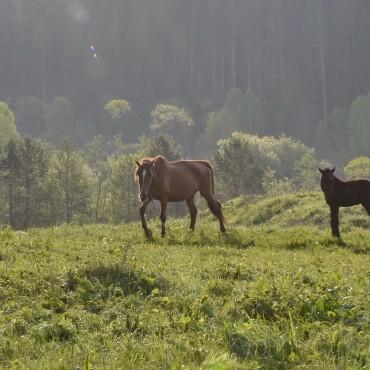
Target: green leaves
pixel 358 167
pixel 167 116
pixel 359 129
pixel 8 129
pixel 117 108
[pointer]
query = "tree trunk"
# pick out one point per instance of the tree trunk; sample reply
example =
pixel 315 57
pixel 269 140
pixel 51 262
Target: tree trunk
pixel 282 67
pixel 128 198
pixel 233 65
pixel 67 192
pixel 323 67
pixel 27 206
pixel 11 199
pixel 99 189
pixel 213 70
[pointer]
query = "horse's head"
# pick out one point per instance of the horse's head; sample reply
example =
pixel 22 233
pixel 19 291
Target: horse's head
pixel 146 171
pixel 144 175
pixel 327 178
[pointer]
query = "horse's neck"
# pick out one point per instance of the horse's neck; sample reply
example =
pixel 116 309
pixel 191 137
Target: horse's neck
pixel 338 182
pixel 158 181
pixel 332 187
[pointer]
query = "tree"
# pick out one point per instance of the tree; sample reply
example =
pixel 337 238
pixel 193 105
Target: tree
pixel 123 188
pixel 279 154
pixel 162 144
pixel 240 112
pixel 11 167
pixel 60 121
pixel 117 110
pixel 8 129
pixel 358 167
pixel 167 117
pixel 75 180
pixel 359 128
pixel 30 115
pixel 306 176
pixel 220 125
pixel 235 167
pixel 34 156
pixel 337 135
pixel 172 120
pixel 96 154
pixel 246 110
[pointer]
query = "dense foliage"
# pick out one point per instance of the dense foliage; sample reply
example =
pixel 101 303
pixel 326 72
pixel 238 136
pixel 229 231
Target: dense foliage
pixel 43 185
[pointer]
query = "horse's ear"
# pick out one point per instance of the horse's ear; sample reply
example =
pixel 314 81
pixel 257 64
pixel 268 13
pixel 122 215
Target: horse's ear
pixel 333 170
pixel 137 163
pixel 320 170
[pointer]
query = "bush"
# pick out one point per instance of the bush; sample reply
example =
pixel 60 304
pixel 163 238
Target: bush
pixel 358 167
pixel 236 168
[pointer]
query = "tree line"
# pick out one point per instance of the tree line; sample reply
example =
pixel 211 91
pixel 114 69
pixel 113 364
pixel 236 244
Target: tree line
pixel 42 185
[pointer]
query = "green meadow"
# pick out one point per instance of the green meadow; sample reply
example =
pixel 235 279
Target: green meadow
pixel 276 292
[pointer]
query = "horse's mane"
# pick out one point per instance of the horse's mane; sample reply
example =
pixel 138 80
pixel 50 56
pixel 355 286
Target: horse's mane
pixel 157 161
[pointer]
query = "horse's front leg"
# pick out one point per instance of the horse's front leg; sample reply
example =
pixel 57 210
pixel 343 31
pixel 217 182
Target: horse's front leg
pixel 334 220
pixel 143 206
pixel 163 216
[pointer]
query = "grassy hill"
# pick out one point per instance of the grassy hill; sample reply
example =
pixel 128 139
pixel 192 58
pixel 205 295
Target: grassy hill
pixel 276 292
pixel 304 209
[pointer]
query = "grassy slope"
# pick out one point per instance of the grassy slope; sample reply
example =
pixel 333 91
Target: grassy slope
pixel 304 209
pixel 270 294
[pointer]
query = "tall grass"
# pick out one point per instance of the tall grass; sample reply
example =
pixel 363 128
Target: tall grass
pixel 272 295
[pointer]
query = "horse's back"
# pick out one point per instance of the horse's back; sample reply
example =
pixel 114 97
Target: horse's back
pixel 186 177
pixel 349 193
pixel 197 168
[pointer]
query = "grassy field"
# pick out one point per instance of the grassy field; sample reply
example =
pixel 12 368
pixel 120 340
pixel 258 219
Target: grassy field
pixel 276 292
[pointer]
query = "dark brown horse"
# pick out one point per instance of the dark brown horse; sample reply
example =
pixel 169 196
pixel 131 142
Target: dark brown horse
pixel 339 193
pixel 175 182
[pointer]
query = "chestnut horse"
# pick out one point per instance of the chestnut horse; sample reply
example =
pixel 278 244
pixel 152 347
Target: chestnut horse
pixel 339 193
pixel 175 182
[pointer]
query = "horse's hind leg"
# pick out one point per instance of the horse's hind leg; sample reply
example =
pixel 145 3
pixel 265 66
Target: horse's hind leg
pixel 366 205
pixel 215 207
pixel 193 212
pixel 334 220
pixel 163 216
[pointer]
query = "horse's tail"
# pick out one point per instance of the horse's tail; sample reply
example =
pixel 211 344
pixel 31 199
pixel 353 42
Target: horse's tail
pixel 207 164
pixel 218 208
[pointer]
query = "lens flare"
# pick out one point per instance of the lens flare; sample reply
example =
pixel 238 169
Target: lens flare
pixel 78 12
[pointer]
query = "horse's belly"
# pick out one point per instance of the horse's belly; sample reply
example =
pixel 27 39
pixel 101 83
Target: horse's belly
pixel 180 196
pixel 349 202
pixel 172 198
pixel 345 201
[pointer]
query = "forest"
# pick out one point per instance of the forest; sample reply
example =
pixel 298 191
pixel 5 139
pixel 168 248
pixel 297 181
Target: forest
pixel 269 89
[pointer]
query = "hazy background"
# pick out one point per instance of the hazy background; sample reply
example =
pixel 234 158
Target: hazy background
pixel 123 79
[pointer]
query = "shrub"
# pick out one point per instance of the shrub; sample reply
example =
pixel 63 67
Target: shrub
pixel 358 167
